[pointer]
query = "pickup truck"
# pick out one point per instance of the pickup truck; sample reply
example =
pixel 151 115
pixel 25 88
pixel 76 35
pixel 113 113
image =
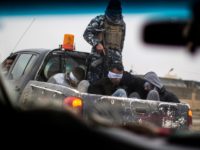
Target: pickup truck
pixel 32 68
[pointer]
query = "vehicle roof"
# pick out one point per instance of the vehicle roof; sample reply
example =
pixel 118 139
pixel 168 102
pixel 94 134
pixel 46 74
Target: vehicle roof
pixel 43 51
pixel 35 50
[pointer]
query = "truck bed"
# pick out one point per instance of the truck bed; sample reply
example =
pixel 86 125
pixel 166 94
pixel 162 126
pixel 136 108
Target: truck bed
pixel 115 110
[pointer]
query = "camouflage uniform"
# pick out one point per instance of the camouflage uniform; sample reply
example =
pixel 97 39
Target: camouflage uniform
pixel 95 34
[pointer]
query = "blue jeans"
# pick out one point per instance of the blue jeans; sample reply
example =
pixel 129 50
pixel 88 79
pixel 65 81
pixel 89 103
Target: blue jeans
pixel 153 95
pixel 120 93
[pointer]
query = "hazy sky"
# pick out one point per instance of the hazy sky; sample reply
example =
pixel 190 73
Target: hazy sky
pixel 47 32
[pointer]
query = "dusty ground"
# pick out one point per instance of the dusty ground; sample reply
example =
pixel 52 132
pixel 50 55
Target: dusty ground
pixel 196 120
pixel 195 107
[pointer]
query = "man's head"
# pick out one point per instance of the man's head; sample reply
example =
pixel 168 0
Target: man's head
pixel 76 75
pixel 116 72
pixel 152 81
pixel 148 86
pixel 114 10
pixel 8 62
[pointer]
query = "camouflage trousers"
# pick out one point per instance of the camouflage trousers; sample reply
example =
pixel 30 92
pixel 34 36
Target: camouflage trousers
pixel 113 57
pixel 100 65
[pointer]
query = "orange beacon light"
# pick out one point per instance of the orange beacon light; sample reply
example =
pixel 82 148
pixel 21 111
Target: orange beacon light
pixel 68 42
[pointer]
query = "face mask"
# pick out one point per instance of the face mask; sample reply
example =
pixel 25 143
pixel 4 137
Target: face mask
pixel 112 75
pixel 116 19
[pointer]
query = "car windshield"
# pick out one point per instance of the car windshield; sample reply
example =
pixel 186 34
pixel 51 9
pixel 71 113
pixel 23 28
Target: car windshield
pixel 32 40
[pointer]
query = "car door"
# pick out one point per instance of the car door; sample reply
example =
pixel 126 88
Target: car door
pixel 21 71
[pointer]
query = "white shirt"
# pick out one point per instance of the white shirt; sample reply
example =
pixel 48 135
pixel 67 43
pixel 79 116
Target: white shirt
pixel 59 78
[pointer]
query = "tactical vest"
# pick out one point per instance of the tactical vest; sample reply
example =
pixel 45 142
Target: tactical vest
pixel 113 36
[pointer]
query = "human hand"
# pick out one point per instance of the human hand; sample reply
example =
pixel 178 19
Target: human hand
pixel 100 48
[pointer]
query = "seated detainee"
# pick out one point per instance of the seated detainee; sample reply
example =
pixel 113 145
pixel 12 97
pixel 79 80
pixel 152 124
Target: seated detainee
pixel 110 85
pixel 71 79
pixel 156 90
pixel 133 85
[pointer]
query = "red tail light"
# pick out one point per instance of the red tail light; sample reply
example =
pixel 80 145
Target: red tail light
pixel 74 102
pixel 164 131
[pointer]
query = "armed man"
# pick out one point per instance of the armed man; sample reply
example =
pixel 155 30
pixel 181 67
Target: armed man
pixel 106 34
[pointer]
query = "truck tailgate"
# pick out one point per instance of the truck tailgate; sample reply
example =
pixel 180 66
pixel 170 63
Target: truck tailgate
pixel 115 109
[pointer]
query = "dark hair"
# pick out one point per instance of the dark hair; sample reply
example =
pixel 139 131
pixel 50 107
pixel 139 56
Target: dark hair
pixel 79 73
pixel 11 57
pixel 118 66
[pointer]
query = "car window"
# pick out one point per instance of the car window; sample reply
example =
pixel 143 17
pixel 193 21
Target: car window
pixel 31 63
pixel 50 67
pixel 58 63
pixel 69 64
pixel 20 66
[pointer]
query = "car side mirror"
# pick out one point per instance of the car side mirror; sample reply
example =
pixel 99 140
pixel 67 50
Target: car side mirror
pixel 170 33
pixel 175 33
